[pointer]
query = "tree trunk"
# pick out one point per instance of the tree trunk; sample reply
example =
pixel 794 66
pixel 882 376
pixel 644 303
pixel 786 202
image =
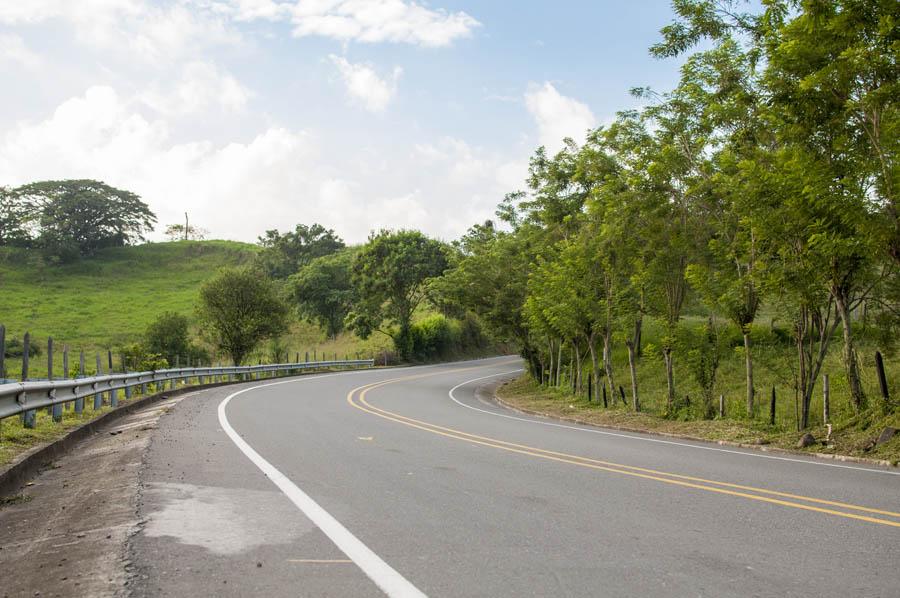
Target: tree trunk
pixel 851 364
pixel 607 360
pixel 670 378
pixel 748 360
pixel 577 367
pixel 550 370
pixel 638 328
pixel 558 361
pixel 595 363
pixel 635 403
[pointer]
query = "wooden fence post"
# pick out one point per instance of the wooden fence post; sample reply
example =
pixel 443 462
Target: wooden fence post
pixel 722 406
pixel 826 400
pixel 882 379
pixel 772 409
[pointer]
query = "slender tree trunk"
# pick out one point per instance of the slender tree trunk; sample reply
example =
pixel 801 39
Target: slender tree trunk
pixel 595 362
pixel 851 364
pixel 748 360
pixel 635 403
pixel 559 348
pixel 577 366
pixel 638 328
pixel 670 378
pixel 607 360
pixel 550 371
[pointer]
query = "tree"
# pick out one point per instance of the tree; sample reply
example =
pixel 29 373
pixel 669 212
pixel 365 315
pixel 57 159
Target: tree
pixel 168 336
pixel 241 307
pixel 390 277
pixel 322 291
pixel 78 217
pixel 15 219
pixel 284 254
pixel 175 232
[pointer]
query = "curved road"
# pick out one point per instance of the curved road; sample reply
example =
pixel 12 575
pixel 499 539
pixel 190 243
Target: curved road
pixel 412 482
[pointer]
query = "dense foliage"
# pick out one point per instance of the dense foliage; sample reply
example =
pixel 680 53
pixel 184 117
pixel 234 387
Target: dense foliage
pixel 239 308
pixel 73 218
pixel 768 176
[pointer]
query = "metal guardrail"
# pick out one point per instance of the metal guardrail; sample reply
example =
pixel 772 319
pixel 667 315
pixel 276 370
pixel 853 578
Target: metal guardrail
pixel 22 397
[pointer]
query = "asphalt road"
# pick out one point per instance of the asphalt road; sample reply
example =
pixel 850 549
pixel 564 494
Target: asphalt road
pixel 385 481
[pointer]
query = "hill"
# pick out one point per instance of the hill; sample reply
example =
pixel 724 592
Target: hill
pixel 109 299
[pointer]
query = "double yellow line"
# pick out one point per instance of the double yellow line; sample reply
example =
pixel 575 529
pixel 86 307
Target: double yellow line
pixel 357 398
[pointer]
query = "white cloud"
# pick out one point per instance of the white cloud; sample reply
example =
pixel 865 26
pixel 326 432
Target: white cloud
pixel 202 85
pixel 558 116
pixel 380 21
pixel 149 31
pixel 14 50
pixel 365 85
pixel 274 179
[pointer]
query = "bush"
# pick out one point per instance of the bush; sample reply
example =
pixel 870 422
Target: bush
pixel 433 337
pixel 15 348
pixel 138 358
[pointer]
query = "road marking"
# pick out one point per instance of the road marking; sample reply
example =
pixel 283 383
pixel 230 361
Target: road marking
pixel 656 440
pixel 384 576
pixel 669 478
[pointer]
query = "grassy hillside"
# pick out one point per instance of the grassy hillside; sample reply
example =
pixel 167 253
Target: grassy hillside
pixel 108 300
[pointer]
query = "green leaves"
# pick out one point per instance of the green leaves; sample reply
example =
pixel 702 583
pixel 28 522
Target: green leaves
pixel 239 308
pixel 390 276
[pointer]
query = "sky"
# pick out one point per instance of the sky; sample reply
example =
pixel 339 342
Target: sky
pixel 253 115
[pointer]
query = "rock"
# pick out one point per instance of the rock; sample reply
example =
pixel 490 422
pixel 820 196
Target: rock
pixel 886 435
pixel 806 440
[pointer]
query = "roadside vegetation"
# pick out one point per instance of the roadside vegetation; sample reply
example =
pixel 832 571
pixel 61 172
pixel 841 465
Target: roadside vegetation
pixel 698 266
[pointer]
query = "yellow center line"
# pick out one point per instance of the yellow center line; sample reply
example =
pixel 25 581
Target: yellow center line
pixel 640 472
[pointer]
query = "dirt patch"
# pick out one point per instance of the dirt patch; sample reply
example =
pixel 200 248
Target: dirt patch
pixel 65 530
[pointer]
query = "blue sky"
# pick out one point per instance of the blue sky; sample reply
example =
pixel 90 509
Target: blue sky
pixel 359 114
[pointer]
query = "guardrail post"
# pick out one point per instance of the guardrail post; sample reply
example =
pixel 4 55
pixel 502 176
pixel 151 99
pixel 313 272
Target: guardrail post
pixel 98 398
pixel 2 352
pixel 66 406
pixel 29 417
pixel 56 409
pixel 113 398
pixel 79 403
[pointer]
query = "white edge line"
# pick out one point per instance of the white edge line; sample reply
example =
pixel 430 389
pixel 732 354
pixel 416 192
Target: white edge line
pixel 384 576
pixel 645 439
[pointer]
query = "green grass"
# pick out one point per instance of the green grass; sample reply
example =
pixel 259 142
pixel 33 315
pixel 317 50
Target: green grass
pixel 104 302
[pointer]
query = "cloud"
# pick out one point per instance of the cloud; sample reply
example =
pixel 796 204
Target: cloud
pixel 273 179
pixel 151 32
pixel 201 85
pixel 373 21
pixel 558 116
pixel 235 189
pixel 365 86
pixel 14 50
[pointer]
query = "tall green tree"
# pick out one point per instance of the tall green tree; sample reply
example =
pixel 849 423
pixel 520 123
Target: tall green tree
pixel 284 254
pixel 77 217
pixel 390 280
pixel 239 308
pixel 322 291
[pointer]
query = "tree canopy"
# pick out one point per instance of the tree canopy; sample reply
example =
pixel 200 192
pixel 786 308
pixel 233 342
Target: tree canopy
pixel 239 308
pixel 390 277
pixel 284 254
pixel 73 218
